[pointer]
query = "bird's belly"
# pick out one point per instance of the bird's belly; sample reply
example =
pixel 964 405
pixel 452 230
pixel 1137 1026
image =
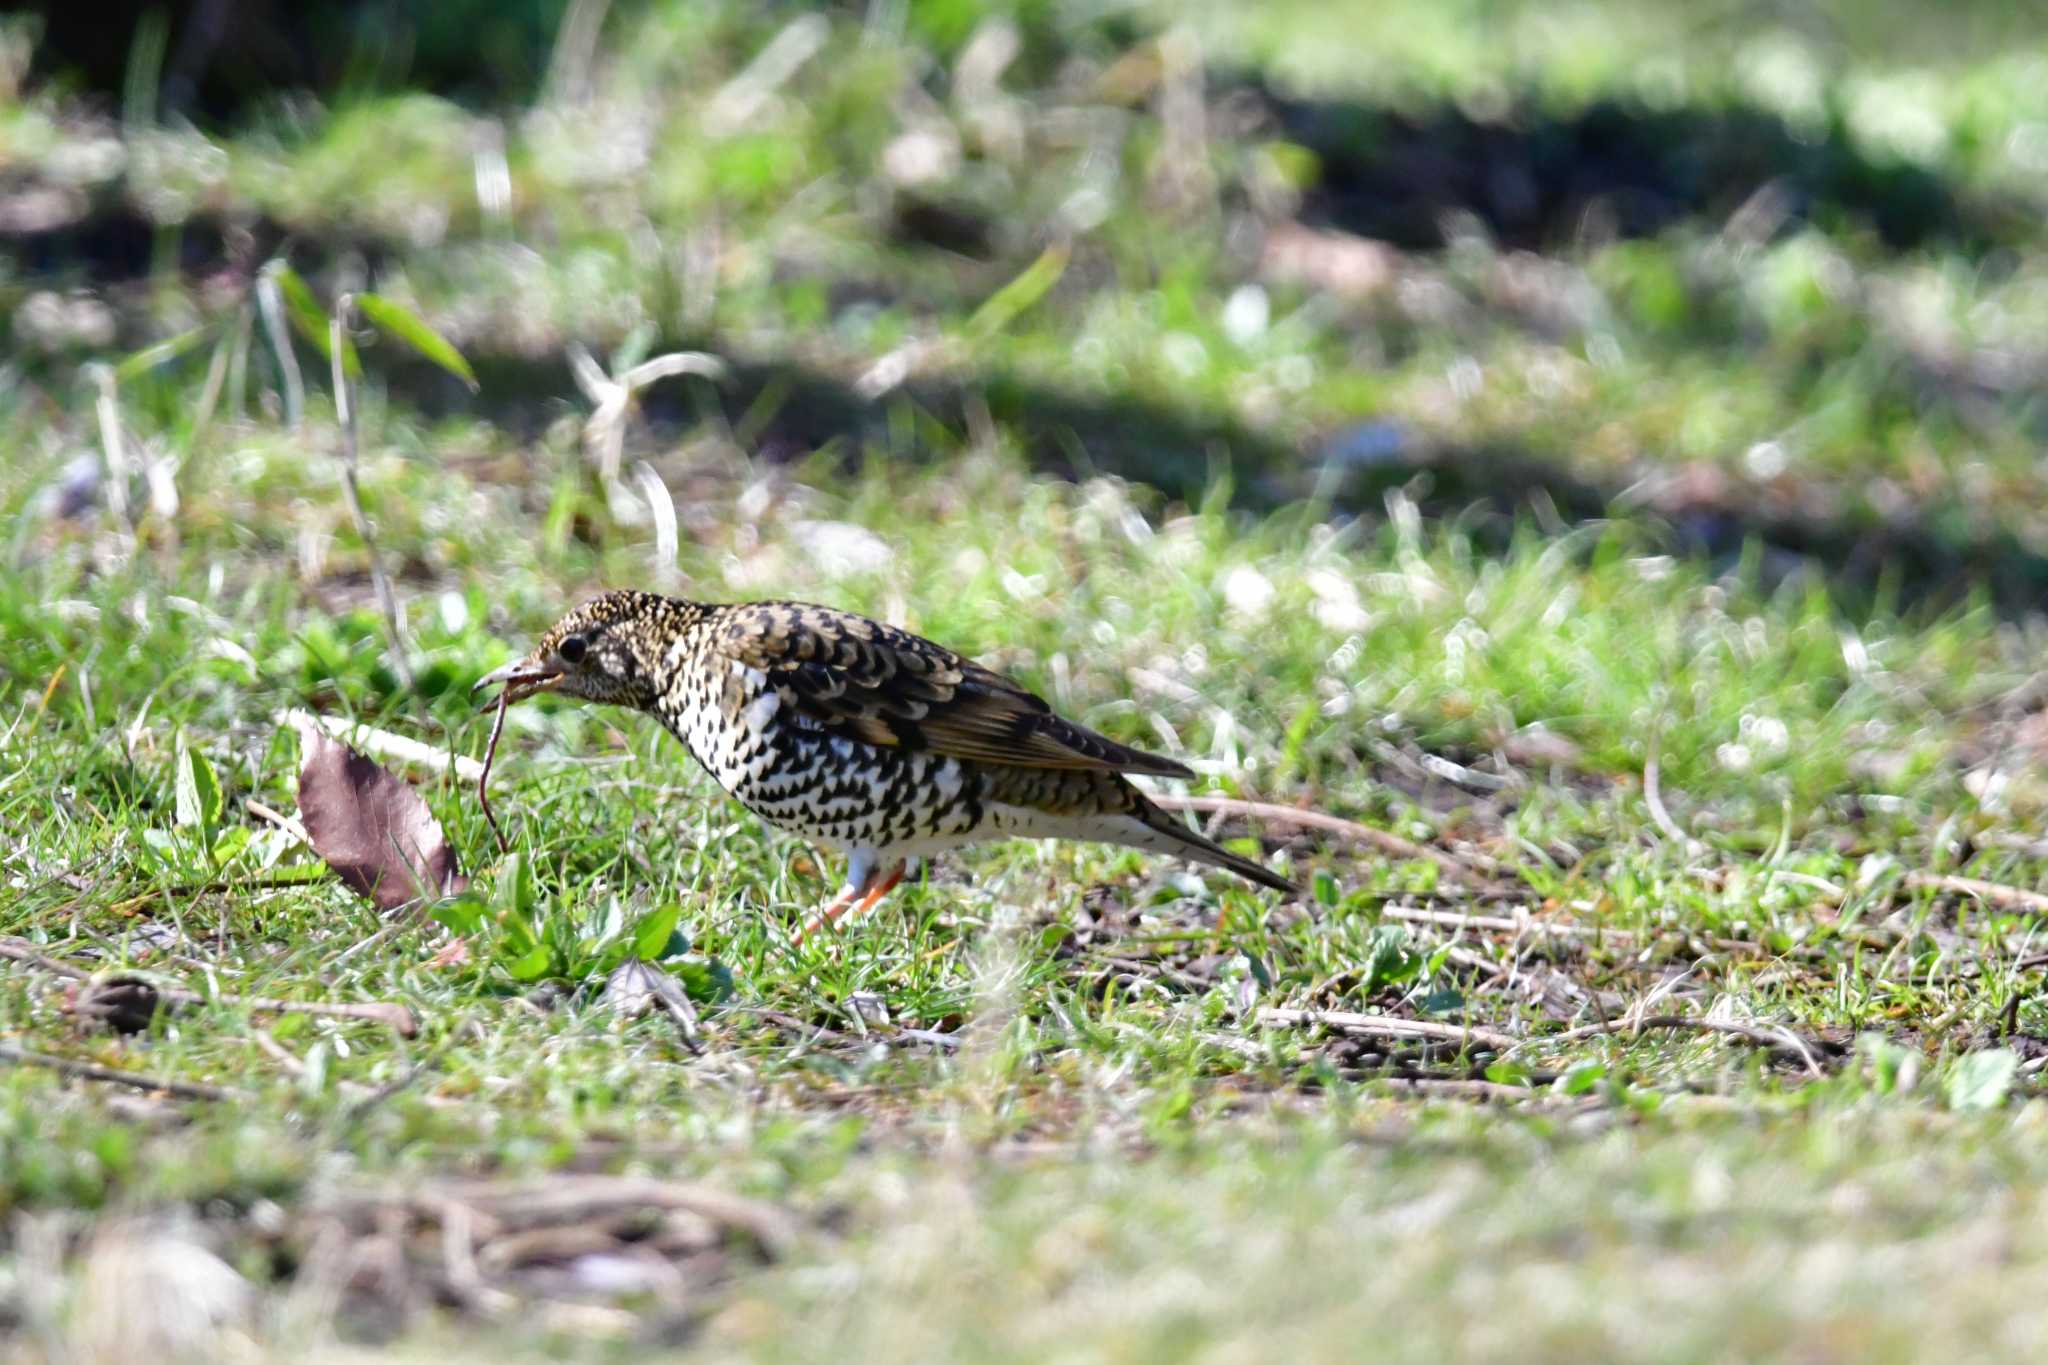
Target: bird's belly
pixel 848 794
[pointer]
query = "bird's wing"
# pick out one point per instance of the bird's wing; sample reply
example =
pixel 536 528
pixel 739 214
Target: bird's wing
pixel 888 687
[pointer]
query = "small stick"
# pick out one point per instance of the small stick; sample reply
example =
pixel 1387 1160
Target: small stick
pixel 1458 1087
pixel 1391 844
pixel 1451 919
pixel 1653 797
pixel 483 777
pixel 22 951
pixel 1388 1026
pixel 1781 1038
pixel 84 1071
pixel 381 743
pixel 267 1044
pixel 395 1016
pixel 284 822
pixel 1498 924
pixel 1995 893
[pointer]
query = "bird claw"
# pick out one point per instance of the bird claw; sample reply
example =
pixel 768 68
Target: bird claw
pixel 868 893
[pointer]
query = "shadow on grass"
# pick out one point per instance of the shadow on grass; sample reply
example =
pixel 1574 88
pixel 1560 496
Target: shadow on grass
pixel 1532 178
pixel 1612 169
pixel 1925 558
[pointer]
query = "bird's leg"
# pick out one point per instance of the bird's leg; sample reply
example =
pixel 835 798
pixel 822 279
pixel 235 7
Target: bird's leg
pixel 876 889
pixel 855 899
pixel 860 874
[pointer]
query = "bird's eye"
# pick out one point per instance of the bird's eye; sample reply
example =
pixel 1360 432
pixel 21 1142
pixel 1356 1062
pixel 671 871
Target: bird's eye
pixel 571 649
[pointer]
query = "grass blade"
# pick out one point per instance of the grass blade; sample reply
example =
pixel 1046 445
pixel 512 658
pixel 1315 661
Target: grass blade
pixel 309 318
pixel 395 319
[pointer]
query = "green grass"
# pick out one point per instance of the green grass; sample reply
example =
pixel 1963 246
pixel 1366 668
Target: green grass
pixel 1030 1109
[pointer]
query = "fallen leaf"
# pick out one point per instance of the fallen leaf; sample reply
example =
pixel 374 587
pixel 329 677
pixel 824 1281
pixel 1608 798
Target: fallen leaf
pixel 370 826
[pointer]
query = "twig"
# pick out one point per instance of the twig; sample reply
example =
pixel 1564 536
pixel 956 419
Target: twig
pixel 458 1263
pixel 1142 970
pixel 1472 961
pixel 21 951
pixel 1451 919
pixel 1653 797
pixel 364 944
pixel 345 413
pixel 85 1071
pixel 1996 893
pixel 289 824
pixel 383 743
pixel 395 1016
pixel 929 1037
pixel 140 899
pixel 612 397
pixel 267 1044
pixel 1387 1026
pixel 483 773
pixel 789 1023
pixel 1464 1088
pixel 506 1207
pixel 278 1052
pixel 1391 844
pixel 362 1107
pixel 1780 1038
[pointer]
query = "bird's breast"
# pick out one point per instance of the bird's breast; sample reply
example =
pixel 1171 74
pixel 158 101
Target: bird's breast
pixel 758 744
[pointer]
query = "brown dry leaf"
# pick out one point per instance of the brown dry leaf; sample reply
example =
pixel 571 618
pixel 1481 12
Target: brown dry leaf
pixel 370 826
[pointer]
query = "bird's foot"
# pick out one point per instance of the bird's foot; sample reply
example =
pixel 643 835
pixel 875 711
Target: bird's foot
pixel 855 899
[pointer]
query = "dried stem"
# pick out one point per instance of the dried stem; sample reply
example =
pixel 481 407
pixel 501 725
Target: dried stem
pixel 84 1071
pixel 1995 893
pixel 345 414
pixel 1392 845
pixel 1779 1038
pixel 394 1016
pixel 270 302
pixel 1388 1026
pixel 113 447
pixel 1653 797
pixel 381 743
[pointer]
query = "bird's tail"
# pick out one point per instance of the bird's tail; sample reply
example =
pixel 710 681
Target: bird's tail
pixel 1161 832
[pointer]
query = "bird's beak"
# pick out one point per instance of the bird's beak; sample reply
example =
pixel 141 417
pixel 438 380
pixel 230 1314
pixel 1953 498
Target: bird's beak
pixel 522 678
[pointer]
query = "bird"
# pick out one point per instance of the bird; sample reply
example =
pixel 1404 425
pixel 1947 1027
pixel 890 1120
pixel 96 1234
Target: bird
pixel 857 735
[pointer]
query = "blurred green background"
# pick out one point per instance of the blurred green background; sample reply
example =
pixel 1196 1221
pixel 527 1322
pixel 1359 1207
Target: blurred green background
pixel 1761 274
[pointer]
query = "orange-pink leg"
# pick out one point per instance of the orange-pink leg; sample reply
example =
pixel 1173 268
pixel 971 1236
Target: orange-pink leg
pixel 857 900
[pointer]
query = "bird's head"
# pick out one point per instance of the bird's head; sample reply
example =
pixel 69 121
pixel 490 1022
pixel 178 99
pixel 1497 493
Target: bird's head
pixel 611 649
